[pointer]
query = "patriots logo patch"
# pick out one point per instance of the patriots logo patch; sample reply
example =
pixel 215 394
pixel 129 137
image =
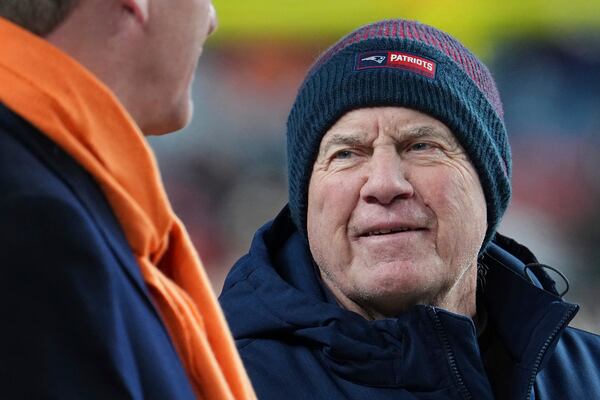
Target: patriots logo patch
pixel 397 59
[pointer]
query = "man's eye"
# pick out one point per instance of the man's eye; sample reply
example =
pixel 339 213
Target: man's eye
pixel 420 146
pixel 343 154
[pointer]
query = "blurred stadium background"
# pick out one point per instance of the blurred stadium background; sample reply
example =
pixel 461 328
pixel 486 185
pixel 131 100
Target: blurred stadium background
pixel 226 172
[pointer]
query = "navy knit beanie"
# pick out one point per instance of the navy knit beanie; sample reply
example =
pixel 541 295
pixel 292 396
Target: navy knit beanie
pixel 407 64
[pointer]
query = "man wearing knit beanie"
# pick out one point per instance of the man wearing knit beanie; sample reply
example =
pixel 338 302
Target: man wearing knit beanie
pixel 384 277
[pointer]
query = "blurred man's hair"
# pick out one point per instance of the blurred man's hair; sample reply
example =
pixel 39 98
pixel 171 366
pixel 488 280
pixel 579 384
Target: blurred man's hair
pixel 37 16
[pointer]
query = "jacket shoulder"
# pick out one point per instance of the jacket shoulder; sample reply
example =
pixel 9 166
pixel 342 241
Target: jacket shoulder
pixel 22 171
pixel 573 371
pixel 580 348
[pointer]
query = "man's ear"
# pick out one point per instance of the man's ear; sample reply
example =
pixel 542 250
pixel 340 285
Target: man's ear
pixel 139 8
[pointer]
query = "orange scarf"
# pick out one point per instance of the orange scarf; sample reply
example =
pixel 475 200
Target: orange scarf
pixel 74 109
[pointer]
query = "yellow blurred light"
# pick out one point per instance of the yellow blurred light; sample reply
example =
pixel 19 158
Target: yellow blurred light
pixel 477 23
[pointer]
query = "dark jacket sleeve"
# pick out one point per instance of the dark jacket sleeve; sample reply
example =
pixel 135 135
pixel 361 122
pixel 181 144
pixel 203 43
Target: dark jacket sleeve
pixel 77 321
pixel 62 335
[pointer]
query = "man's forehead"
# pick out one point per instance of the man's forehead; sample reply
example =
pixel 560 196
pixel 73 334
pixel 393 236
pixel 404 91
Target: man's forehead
pixel 362 123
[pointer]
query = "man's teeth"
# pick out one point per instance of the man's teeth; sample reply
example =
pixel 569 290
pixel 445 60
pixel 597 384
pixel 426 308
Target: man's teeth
pixel 386 231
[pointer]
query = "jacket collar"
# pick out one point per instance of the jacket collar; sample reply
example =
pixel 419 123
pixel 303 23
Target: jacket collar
pixel 526 313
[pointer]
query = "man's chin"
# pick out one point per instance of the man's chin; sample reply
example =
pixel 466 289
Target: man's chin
pixel 388 306
pixel 388 301
pixel 177 120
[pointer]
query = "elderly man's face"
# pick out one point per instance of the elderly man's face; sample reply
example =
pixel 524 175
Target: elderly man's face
pixel 396 213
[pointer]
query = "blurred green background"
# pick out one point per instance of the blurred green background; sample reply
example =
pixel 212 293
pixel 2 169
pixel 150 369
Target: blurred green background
pixel 479 24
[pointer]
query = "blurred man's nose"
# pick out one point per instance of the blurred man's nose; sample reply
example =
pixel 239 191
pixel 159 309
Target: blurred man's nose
pixel 214 22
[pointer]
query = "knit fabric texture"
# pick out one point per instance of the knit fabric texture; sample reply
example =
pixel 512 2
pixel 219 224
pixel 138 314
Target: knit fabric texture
pixel 407 64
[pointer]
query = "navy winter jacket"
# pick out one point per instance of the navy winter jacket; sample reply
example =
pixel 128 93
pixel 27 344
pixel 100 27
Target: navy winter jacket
pixel 297 343
pixel 77 321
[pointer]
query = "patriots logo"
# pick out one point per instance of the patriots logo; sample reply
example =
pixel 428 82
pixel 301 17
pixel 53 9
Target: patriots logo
pixel 377 59
pixel 396 59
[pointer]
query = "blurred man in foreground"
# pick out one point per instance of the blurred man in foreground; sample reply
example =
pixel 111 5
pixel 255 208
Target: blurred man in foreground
pixel 102 295
pixel 384 277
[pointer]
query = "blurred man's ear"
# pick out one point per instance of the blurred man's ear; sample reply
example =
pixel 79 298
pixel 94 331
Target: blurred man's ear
pixel 139 8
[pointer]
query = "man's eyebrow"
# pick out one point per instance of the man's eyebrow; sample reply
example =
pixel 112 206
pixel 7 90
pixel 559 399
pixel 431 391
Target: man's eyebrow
pixel 339 139
pixel 427 131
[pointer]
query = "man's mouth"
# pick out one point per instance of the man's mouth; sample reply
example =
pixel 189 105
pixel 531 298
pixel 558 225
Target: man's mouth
pixel 389 231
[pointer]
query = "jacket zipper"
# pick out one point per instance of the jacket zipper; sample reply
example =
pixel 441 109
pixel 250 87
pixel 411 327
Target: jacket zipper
pixel 462 388
pixel 538 359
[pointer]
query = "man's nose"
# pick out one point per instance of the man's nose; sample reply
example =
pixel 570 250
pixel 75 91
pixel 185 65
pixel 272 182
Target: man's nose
pixel 387 180
pixel 213 20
